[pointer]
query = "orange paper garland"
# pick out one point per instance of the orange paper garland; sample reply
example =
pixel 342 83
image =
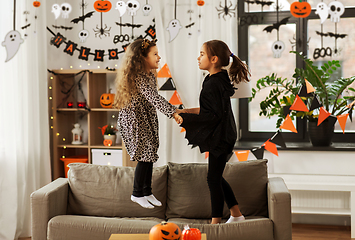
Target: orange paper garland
pixel 323 114
pixel 288 124
pixel 342 121
pixel 242 155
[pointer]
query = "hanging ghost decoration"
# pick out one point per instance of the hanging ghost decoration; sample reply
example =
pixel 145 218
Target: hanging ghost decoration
pixel 56 10
pixel 277 48
pixel 173 28
pixel 121 7
pixel 132 7
pixel 336 9
pixel 322 11
pixel 66 9
pixel 12 43
pixel 147 9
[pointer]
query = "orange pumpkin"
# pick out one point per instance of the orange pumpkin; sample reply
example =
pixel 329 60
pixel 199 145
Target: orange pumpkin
pixel 165 231
pixel 200 3
pixel 300 9
pixel 102 5
pixel 36 3
pixel 106 100
pixel 191 234
pixel 107 142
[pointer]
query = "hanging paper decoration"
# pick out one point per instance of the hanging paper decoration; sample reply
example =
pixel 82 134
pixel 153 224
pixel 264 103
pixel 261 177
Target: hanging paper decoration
pixel 342 121
pixel 56 10
pixel 66 10
pixel 336 9
pixel 298 105
pixel 322 11
pixel 147 8
pixel 200 3
pixel 300 9
pixel 323 114
pixel 303 92
pixel 102 6
pixel 271 147
pixel 258 152
pixel 207 154
pixel 27 25
pixel 351 114
pixel 278 139
pixel 242 155
pixel 191 24
pixel 226 10
pixel 174 26
pixel 315 103
pixel 164 72
pixel 83 34
pixel 183 130
pixel 288 124
pixel 309 87
pixel 175 99
pixel 168 85
pixel 132 8
pixel 286 110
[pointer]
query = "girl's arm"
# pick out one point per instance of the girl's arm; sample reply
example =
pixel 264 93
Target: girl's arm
pixel 189 110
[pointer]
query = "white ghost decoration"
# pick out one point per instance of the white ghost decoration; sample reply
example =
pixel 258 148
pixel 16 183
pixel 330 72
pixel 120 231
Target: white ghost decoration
pixel 147 9
pixel 56 10
pixel 322 11
pixel 174 28
pixel 121 7
pixel 12 43
pixel 277 48
pixel 336 9
pixel 66 9
pixel 132 7
pixel 83 35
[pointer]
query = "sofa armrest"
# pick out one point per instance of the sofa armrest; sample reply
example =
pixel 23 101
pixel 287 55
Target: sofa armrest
pixel 47 202
pixel 279 204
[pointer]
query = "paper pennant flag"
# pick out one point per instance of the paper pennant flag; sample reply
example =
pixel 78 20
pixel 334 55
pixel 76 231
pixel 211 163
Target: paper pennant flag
pixel 332 120
pixel 288 124
pixel 181 106
pixel 303 92
pixel 271 147
pixel 323 114
pixel 298 105
pixel 168 85
pixel 278 139
pixel 183 130
pixel 286 110
pixel 242 155
pixel 315 104
pixel 164 72
pixel 351 114
pixel 175 99
pixel 258 152
pixel 342 121
pixel 351 104
pixel 309 87
pixel 207 154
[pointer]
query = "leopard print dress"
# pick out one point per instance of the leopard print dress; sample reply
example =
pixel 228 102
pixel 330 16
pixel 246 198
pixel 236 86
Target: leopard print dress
pixel 138 120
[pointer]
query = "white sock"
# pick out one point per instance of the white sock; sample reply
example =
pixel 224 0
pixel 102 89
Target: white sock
pixel 141 201
pixel 235 219
pixel 153 200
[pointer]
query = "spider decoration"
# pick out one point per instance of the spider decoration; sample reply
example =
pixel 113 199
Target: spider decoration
pixel 298 42
pixel 102 7
pixel 226 10
pixel 83 5
pixel 102 31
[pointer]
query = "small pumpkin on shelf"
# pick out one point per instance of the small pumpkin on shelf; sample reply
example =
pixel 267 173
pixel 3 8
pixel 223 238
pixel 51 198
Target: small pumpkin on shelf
pixel 107 99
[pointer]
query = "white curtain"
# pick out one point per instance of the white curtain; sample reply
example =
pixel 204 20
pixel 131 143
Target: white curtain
pixel 24 129
pixel 181 57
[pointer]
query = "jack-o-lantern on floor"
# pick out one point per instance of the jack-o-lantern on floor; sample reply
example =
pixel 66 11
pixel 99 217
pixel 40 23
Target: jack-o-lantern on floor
pixel 165 231
pixel 106 100
pixel 300 9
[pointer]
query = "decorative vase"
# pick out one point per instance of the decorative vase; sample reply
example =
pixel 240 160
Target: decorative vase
pixel 111 137
pixel 321 136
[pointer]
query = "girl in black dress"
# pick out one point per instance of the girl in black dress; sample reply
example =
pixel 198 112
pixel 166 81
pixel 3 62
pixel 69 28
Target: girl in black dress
pixel 212 125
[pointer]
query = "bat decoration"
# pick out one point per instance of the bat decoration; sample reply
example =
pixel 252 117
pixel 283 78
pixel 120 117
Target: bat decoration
pixel 62 27
pixel 82 18
pixel 276 25
pixel 26 26
pixel 262 3
pixel 336 35
pixel 129 25
pixel 190 25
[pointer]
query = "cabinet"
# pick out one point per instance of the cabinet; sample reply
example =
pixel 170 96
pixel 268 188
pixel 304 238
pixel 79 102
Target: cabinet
pixel 75 98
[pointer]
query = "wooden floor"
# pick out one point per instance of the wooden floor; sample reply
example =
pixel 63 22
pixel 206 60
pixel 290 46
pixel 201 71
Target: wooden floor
pixel 312 232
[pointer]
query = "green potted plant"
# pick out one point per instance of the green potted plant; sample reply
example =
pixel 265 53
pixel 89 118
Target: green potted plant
pixel 109 134
pixel 330 94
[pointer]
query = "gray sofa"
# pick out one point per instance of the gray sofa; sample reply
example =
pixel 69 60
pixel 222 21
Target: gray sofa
pixel 94 202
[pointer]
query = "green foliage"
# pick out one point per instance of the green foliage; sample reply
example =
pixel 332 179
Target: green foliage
pixel 283 91
pixel 110 130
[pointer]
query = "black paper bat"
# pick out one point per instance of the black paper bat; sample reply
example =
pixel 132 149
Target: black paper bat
pixel 190 25
pixel 276 25
pixel 262 3
pixel 336 35
pixel 129 25
pixel 82 18
pixel 322 34
pixel 62 27
pixel 249 2
pixel 26 26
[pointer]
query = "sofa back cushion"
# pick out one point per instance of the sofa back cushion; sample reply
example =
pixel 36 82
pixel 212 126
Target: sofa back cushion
pixel 189 196
pixel 105 191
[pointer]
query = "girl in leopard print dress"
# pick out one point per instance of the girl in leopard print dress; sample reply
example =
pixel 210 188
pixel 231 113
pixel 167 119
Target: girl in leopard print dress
pixel 137 99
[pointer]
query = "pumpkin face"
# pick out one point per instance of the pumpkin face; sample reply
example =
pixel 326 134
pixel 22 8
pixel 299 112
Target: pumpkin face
pixel 191 234
pixel 106 100
pixel 200 3
pixel 300 9
pixel 36 4
pixel 107 142
pixel 165 231
pixel 102 5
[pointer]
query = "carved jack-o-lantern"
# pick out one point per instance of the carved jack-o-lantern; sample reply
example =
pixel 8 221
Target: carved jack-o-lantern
pixel 200 3
pixel 108 142
pixel 36 4
pixel 300 9
pixel 102 5
pixel 165 231
pixel 106 100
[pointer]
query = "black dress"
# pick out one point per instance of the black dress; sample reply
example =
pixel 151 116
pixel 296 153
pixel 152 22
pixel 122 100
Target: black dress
pixel 214 127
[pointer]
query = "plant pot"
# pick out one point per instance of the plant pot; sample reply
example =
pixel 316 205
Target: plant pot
pixel 112 138
pixel 321 136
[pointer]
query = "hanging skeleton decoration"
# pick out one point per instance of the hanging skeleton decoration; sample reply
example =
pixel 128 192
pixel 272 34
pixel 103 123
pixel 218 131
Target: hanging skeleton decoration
pixel 66 9
pixel 83 34
pixel 336 9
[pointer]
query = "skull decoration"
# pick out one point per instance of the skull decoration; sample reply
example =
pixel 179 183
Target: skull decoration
pixel 83 35
pixel 132 7
pixel 66 9
pixel 336 9
pixel 147 9
pixel 277 48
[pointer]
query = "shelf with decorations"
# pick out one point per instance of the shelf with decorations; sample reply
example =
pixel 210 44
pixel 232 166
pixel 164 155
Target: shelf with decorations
pixel 81 97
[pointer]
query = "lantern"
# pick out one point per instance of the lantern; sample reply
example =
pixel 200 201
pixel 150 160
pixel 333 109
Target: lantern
pixel 77 134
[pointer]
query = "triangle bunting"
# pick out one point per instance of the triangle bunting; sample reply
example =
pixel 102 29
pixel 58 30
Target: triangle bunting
pixel 258 152
pixel 315 103
pixel 309 87
pixel 342 121
pixel 323 114
pixel 288 124
pixel 242 155
pixel 175 99
pixel 164 72
pixel 168 85
pixel 298 105
pixel 278 139
pixel 303 92
pixel 271 147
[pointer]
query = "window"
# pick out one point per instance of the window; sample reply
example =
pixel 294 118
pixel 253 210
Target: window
pixel 298 34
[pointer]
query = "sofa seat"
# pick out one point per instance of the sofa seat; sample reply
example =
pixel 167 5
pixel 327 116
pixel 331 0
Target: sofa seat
pixel 258 228
pixel 65 227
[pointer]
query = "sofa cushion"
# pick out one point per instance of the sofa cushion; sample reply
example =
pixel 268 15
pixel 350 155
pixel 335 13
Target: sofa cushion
pixel 97 190
pixel 189 196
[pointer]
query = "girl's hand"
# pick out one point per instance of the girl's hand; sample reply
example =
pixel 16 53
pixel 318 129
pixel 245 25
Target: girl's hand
pixel 178 118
